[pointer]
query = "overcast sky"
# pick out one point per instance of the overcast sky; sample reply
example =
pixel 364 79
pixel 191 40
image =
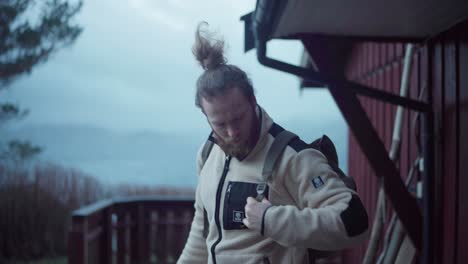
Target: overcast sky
pixel 132 69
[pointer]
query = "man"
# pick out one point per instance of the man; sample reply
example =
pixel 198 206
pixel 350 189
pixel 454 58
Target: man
pixel 306 205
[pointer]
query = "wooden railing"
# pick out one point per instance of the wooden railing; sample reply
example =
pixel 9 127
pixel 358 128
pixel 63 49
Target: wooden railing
pixel 130 230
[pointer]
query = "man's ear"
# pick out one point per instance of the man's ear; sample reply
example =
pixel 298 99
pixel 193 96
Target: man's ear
pixel 201 107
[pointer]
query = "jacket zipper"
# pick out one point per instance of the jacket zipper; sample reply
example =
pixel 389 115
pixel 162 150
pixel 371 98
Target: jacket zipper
pixel 219 191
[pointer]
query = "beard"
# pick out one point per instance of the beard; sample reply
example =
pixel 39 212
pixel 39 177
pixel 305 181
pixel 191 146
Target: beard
pixel 242 148
pixel 239 149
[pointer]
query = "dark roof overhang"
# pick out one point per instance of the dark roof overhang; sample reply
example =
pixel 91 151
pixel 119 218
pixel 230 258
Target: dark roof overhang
pixel 361 19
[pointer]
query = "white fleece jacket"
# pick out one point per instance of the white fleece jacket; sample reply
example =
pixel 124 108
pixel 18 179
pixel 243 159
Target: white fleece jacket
pixel 312 207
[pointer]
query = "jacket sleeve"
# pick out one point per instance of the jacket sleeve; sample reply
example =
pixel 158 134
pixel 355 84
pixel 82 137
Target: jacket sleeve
pixel 327 215
pixel 195 250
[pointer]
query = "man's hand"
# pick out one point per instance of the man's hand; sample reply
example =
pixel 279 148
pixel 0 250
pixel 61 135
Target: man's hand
pixel 254 213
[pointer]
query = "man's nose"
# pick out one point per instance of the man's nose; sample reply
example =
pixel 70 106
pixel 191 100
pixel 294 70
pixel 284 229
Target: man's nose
pixel 233 132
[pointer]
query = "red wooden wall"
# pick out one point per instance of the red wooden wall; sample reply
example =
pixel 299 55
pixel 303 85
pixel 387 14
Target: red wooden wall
pixel 440 66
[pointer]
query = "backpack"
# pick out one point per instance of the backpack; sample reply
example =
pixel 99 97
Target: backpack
pixel 322 144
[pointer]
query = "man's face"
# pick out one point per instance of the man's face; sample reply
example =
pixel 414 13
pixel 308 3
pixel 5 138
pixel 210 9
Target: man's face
pixel 233 120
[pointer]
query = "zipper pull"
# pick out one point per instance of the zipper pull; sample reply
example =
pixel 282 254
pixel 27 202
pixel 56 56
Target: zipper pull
pixel 227 160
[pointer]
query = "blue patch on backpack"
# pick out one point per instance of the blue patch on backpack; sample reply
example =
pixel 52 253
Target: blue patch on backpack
pixel 317 182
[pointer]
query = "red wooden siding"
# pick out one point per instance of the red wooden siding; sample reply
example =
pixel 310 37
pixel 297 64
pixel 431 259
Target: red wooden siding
pixel 440 65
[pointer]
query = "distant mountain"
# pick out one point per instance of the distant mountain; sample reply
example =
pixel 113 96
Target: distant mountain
pixel 144 157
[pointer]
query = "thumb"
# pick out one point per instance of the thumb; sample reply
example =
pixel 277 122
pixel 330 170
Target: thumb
pixel 246 222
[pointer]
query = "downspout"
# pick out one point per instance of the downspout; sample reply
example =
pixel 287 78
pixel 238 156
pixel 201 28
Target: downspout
pixel 397 239
pixel 394 154
pixel 428 163
pixel 322 79
pixel 425 165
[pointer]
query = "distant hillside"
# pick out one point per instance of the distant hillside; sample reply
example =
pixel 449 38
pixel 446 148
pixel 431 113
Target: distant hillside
pixel 147 157
pixel 141 158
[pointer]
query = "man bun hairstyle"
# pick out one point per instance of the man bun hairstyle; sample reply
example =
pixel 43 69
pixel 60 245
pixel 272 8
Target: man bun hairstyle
pixel 208 51
pixel 218 76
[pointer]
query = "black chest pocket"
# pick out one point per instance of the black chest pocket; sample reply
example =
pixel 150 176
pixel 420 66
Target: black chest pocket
pixel 235 201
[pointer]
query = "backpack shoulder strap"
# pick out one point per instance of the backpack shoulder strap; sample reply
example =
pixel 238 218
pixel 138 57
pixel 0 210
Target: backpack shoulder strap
pixel 206 151
pixel 204 155
pixel 276 149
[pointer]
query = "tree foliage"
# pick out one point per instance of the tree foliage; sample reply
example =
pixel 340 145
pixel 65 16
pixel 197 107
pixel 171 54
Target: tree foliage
pixel 10 111
pixel 30 31
pixel 20 151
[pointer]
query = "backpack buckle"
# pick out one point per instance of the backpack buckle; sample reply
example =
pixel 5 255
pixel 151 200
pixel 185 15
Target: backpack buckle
pixel 261 187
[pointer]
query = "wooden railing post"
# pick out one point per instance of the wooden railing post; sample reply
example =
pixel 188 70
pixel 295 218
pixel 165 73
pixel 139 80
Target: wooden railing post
pixel 171 240
pixel 145 235
pixel 106 241
pixel 139 236
pixel 161 236
pixel 121 238
pixel 134 245
pixel 186 217
pixel 77 244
